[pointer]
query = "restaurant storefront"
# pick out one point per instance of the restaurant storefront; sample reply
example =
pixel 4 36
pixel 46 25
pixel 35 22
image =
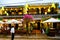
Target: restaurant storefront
pixel 35 26
pixel 39 12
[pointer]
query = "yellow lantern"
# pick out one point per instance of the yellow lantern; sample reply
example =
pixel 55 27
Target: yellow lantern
pixel 53 5
pixel 2 8
pixel 0 12
pixel 49 9
pixel 26 9
pixel 6 13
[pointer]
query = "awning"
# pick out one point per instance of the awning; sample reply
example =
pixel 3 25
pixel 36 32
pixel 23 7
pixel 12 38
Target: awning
pixel 52 20
pixel 1 22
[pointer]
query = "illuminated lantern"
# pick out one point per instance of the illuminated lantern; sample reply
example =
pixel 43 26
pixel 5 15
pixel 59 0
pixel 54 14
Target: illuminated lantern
pixel 2 8
pixel 49 9
pixel 26 9
pixel 6 13
pixel 53 5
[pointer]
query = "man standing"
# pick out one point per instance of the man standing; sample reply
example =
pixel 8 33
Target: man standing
pixel 12 32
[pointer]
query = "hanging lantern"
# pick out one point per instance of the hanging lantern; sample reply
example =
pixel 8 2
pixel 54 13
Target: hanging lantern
pixel 26 9
pixel 53 5
pixel 6 13
pixel 0 12
pixel 49 9
pixel 2 8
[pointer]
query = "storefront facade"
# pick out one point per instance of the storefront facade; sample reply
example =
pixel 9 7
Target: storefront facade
pixel 39 12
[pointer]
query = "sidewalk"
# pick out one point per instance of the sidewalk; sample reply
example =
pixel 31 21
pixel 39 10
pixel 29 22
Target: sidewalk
pixel 41 36
pixel 55 37
pixel 26 36
pixel 29 36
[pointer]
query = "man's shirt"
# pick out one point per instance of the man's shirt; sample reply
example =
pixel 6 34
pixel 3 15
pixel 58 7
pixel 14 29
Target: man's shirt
pixel 12 30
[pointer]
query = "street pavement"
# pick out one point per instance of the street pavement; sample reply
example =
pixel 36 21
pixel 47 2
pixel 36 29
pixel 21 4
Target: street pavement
pixel 29 37
pixel 26 39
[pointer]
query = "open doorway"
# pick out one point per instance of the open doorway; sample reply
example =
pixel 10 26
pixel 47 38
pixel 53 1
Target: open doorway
pixel 38 24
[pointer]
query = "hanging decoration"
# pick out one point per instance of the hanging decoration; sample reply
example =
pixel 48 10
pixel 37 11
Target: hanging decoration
pixel 26 8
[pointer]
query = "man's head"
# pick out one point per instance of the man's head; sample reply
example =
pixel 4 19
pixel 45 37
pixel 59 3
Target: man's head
pixel 12 26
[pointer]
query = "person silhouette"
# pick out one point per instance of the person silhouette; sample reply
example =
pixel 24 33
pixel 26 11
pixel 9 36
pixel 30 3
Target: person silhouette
pixel 12 32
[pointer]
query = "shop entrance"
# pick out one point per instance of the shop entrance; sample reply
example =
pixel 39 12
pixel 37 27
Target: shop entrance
pixel 36 27
pixel 38 24
pixel 54 25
